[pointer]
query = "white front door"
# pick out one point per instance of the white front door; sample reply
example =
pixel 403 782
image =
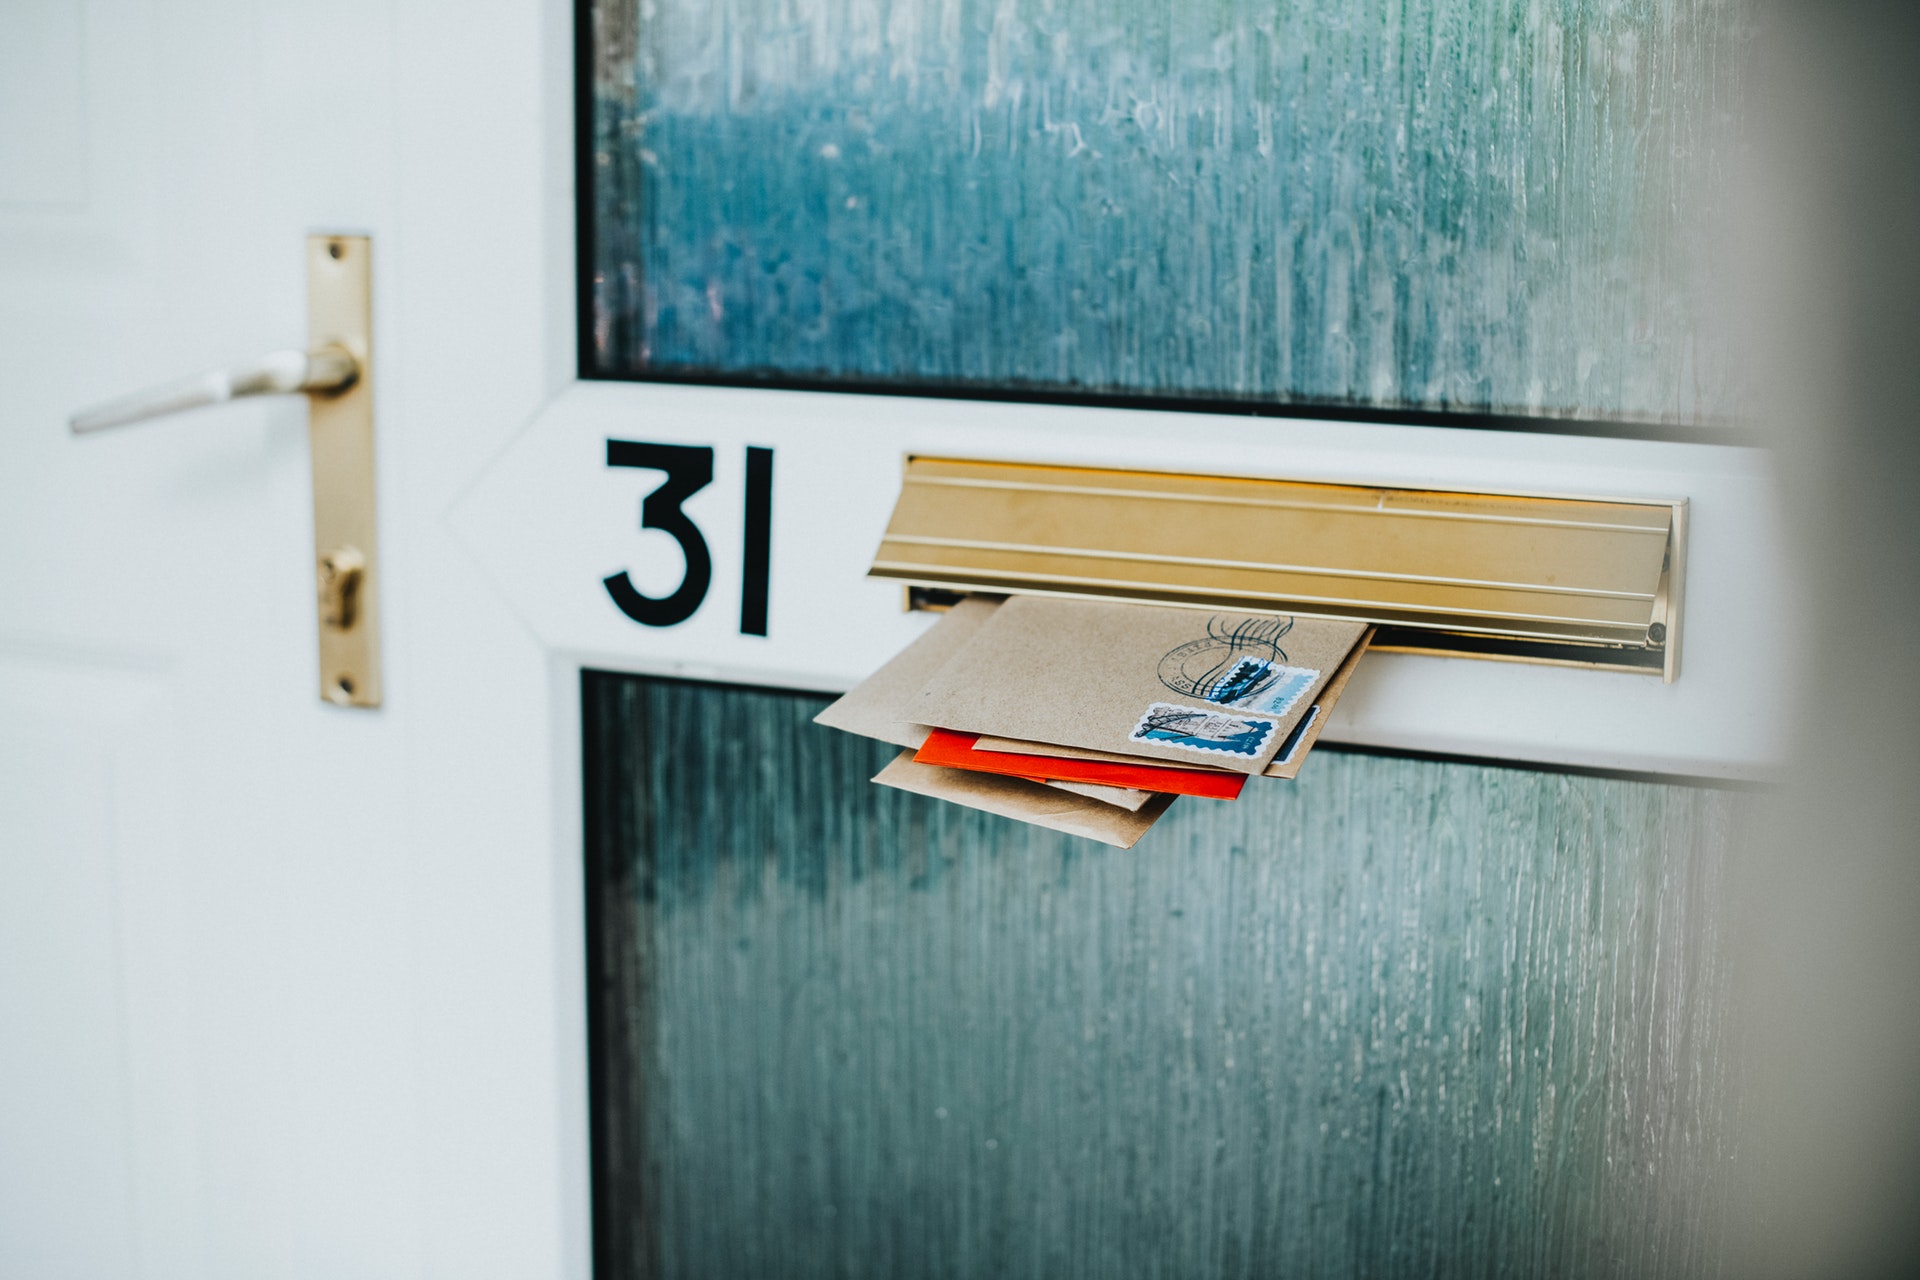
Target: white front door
pixel 281 992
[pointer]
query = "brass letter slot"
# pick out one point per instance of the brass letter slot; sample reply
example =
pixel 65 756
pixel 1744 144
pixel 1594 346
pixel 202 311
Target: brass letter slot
pixel 1532 579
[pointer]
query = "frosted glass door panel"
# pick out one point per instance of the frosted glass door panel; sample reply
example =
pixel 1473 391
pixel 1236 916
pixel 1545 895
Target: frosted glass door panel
pixel 1441 204
pixel 1397 1019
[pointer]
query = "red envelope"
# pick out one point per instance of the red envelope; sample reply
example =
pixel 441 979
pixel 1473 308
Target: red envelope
pixel 956 751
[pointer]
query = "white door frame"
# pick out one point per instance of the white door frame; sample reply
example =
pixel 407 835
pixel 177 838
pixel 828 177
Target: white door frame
pixel 544 520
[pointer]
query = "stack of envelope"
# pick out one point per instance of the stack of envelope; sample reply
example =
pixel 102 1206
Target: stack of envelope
pixel 1091 717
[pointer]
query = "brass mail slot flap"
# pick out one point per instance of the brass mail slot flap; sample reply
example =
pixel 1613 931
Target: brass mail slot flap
pixel 1489 575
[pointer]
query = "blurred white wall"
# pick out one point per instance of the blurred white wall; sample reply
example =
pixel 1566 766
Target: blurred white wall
pixel 1831 948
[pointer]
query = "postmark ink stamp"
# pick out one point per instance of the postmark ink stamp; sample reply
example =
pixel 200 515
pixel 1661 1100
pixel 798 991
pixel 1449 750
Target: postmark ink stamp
pixel 1239 665
pixel 1208 732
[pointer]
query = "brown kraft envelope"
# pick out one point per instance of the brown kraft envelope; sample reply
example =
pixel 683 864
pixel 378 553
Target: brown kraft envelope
pixel 1186 686
pixel 1288 763
pixel 1285 765
pixel 1032 802
pixel 877 707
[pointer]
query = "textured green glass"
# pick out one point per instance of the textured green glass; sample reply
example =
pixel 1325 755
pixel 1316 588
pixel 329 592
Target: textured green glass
pixel 1400 1018
pixel 1438 204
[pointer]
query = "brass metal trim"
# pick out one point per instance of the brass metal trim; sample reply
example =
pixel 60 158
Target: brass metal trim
pixel 340 434
pixel 1520 577
pixel 1211 562
pixel 1295 505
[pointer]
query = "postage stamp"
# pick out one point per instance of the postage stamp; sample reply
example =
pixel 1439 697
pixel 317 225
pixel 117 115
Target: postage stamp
pixel 1212 732
pixel 1254 684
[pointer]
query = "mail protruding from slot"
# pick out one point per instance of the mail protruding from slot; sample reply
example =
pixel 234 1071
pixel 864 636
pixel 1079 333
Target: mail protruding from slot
pixel 1089 716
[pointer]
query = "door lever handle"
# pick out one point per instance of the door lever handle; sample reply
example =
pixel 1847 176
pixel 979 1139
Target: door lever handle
pixel 325 370
pixel 337 373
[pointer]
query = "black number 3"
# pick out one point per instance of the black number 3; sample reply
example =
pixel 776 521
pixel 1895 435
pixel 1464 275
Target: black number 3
pixel 689 469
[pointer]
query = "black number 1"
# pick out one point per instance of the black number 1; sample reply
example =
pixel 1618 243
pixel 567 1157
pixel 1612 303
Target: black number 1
pixel 757 559
pixel 689 469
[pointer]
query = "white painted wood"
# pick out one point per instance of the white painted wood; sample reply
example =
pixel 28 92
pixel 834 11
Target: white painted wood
pixel 42 103
pixel 306 982
pixel 284 983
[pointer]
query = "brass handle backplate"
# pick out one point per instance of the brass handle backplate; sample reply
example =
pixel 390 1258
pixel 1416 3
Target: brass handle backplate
pixel 335 372
pixel 340 432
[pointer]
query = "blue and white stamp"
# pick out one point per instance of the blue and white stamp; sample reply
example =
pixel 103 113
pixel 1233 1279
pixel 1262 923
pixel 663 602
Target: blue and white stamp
pixel 1208 732
pixel 1254 684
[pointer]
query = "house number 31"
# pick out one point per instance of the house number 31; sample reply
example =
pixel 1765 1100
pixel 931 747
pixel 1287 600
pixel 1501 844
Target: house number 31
pixel 689 469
